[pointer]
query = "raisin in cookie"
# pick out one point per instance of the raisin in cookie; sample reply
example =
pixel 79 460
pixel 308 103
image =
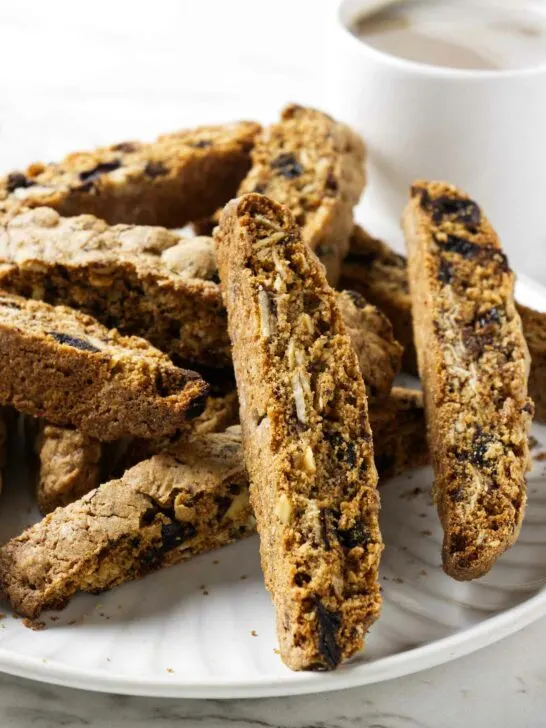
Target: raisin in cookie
pixel 315 166
pixel 169 182
pixel 59 364
pixel 307 441
pixel 473 362
pixel 163 511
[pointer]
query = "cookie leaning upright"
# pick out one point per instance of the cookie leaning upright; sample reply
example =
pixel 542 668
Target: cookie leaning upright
pixel 315 166
pixel 307 440
pixel 474 364
pixel 64 366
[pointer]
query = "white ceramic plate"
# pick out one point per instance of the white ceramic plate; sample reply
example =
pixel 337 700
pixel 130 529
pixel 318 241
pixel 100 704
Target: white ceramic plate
pixel 206 628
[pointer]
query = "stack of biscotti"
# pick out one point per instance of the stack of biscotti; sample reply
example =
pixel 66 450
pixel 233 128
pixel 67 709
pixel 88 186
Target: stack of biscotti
pixel 142 463
pixel 373 269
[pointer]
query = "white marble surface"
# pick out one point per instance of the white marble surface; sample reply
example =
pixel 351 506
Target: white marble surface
pixel 81 74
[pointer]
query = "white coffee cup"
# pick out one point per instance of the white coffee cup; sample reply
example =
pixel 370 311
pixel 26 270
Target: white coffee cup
pixel 482 130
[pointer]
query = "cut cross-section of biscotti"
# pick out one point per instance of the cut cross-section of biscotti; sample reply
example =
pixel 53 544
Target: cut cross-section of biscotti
pixel 177 178
pixel 373 269
pixel 399 432
pixel 63 366
pixel 315 166
pixel 146 281
pixel 307 441
pixel 473 362
pixel 378 352
pixel 164 510
pixel 70 464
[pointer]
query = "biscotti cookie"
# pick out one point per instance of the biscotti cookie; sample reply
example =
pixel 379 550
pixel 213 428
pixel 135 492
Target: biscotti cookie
pixel 399 432
pixel 378 273
pixel 373 269
pixel 534 329
pixel 379 354
pixel 162 511
pixel 169 182
pixel 59 364
pixel 315 166
pixel 146 281
pixel 473 362
pixel 70 464
pixel 307 441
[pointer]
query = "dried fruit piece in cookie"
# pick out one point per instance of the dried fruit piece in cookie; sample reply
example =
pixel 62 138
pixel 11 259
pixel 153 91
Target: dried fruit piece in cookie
pixel 169 182
pixel 146 281
pixel 163 511
pixel 379 354
pixel 59 364
pixel 315 166
pixel 307 441
pixel 399 432
pixel 373 269
pixel 474 363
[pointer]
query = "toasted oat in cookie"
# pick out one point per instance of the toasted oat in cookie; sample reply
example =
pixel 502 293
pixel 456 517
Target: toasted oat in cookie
pixel 306 435
pixel 315 166
pixel 373 269
pixel 59 364
pixel 379 354
pixel 474 363
pixel 177 178
pixel 399 432
pixel 146 281
pixel 163 511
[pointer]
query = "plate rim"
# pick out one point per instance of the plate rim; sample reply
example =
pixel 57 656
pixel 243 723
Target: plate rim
pixel 410 661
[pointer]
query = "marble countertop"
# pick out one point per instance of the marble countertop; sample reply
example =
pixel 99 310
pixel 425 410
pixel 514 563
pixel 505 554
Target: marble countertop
pixel 78 75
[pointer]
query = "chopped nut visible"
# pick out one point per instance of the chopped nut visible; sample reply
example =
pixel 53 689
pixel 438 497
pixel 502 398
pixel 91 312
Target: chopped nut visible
pixel 267 322
pixel 299 398
pixel 308 460
pixel 269 223
pixel 283 509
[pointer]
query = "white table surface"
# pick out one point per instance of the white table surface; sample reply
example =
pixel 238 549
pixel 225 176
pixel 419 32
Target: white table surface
pixel 76 75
